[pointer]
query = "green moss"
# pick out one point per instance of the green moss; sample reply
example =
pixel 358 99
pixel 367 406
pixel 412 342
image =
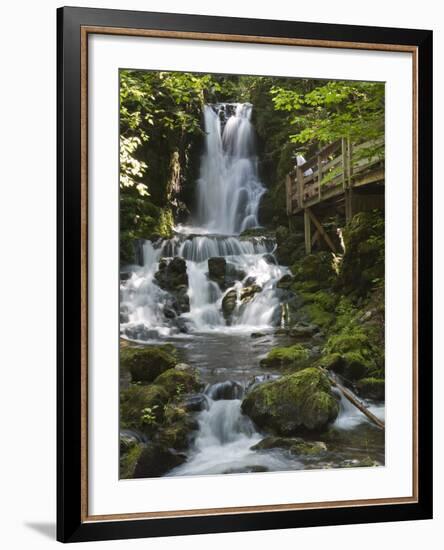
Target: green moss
pixel 128 461
pixel 318 315
pixel 332 361
pixel 373 388
pixel 287 357
pixel 147 363
pixel 295 445
pixel 292 404
pixel 316 268
pixel 177 382
pixel 363 267
pixel 134 403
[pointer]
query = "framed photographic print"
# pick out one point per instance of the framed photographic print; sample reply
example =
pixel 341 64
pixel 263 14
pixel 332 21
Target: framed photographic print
pixel 244 285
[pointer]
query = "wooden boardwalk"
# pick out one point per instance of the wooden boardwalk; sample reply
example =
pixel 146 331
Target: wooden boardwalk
pixel 337 176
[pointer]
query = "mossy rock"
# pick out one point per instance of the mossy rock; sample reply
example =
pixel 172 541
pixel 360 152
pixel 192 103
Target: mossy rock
pixel 295 445
pixel 363 263
pixel 373 388
pixel 317 315
pixel 229 302
pixel 316 268
pixel 128 460
pixel 156 460
pixel 147 363
pixel 350 354
pixel 316 307
pixel 178 428
pixel 294 357
pixel 137 399
pixel 216 269
pixel 176 381
pixel 293 404
pixel 332 361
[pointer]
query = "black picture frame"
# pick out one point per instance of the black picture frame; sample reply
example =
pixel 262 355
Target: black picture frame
pixel 71 523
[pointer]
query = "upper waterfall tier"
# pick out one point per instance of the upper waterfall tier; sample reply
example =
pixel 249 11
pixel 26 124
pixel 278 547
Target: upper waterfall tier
pixel 229 189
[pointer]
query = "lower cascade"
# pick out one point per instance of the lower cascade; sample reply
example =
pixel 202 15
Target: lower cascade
pixel 249 266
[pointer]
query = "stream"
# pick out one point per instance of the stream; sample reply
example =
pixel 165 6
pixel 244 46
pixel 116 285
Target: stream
pixel 226 349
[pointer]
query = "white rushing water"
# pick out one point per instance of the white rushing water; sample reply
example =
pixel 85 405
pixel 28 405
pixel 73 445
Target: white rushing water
pixel 229 189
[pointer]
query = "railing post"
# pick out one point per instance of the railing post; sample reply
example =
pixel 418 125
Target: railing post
pixel 289 193
pixel 319 175
pixel 300 181
pixel 349 162
pixel 344 163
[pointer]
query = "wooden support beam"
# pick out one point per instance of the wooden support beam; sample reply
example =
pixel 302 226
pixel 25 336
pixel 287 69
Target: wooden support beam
pixel 321 230
pixel 348 198
pixel 307 231
pixel 314 238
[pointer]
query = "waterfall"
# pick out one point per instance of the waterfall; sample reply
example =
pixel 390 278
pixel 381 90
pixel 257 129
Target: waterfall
pixel 228 197
pixel 229 189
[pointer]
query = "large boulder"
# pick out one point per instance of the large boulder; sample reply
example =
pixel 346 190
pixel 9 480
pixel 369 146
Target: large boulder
pixel 156 460
pixel 216 270
pixel 172 274
pixel 147 363
pixel 224 273
pixel 294 404
pixel 177 381
pixel 350 353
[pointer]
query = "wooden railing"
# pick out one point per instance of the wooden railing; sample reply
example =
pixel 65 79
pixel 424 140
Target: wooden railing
pixel 334 169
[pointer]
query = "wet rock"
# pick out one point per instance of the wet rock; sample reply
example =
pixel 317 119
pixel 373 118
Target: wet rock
pixel 285 282
pixel 196 403
pixel 229 389
pixel 169 313
pixel 172 274
pixel 303 331
pixel 249 281
pixel 295 445
pixel 372 388
pixel 248 293
pixel 294 404
pixel 124 314
pixel 229 302
pixel 269 258
pixel 125 275
pixel 156 460
pixel 129 438
pixel 216 270
pixel 232 274
pixel 131 446
pixel 257 334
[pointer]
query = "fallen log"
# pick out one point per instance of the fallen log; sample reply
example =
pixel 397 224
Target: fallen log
pixel 348 395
